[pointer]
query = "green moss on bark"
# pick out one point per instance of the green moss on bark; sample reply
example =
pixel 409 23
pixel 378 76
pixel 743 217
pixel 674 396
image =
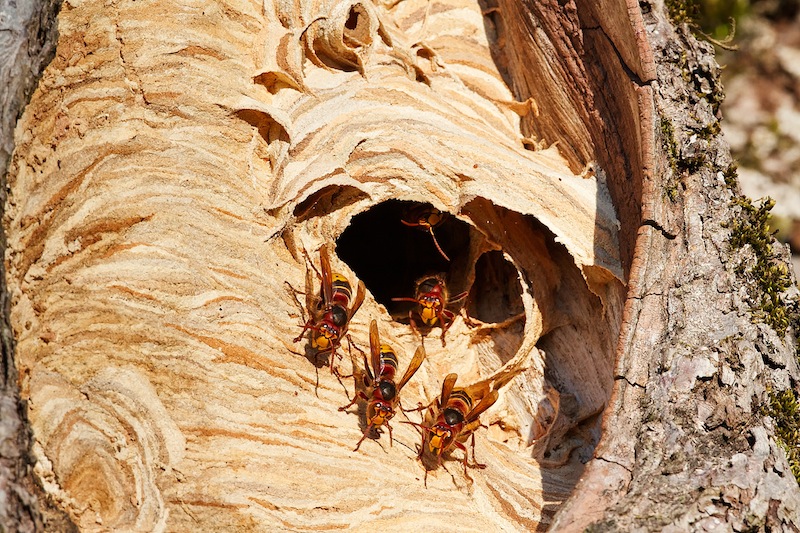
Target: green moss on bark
pixel 785 411
pixel 768 279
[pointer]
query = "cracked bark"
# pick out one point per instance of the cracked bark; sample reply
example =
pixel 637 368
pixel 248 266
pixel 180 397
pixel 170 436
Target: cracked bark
pixel 656 226
pixel 152 332
pixel 695 447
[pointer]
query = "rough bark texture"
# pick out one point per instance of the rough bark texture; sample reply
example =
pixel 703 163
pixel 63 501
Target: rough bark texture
pixel 162 193
pixel 27 43
pixel 686 445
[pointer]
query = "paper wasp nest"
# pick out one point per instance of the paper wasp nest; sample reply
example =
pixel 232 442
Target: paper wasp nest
pixel 161 197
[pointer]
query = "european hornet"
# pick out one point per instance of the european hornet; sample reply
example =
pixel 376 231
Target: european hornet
pixel 432 298
pixel 330 312
pixel 426 217
pixel 452 419
pixel 383 394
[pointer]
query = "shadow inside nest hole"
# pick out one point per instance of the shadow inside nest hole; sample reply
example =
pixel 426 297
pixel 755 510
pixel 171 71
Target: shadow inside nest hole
pixel 391 257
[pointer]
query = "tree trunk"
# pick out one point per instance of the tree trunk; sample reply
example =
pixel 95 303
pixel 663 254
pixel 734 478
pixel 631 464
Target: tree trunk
pixel 686 444
pixel 180 167
pixel 27 43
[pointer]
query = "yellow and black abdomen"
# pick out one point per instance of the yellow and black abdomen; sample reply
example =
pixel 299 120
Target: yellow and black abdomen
pixel 460 401
pixel 342 291
pixel 388 366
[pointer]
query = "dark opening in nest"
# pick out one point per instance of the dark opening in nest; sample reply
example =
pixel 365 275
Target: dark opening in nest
pixel 496 294
pixel 389 256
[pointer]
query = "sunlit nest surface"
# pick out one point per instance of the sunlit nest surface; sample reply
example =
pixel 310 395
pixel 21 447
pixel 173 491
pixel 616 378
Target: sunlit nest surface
pixel 496 254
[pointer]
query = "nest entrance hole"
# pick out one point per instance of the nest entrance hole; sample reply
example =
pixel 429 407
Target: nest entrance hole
pixel 390 257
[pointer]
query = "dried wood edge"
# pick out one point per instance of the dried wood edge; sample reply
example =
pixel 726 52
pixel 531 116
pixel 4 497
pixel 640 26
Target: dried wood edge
pixel 625 486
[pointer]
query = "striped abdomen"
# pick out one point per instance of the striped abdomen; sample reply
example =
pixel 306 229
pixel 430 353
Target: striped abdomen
pixel 460 401
pixel 388 366
pixel 342 292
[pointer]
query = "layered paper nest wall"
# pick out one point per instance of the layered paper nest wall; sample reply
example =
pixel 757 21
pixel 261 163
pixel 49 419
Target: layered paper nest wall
pixel 172 167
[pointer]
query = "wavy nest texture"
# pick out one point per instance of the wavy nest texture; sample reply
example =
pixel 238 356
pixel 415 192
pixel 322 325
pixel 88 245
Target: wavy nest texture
pixel 162 195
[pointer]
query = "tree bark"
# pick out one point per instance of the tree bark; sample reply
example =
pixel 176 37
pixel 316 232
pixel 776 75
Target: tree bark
pixel 686 444
pixel 27 43
pixel 168 196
